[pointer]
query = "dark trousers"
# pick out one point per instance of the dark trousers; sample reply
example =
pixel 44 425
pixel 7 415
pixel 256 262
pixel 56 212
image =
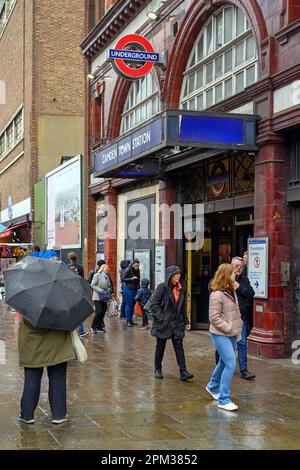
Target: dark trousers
pixel 57 391
pixel 178 348
pixel 129 295
pixel 145 317
pixel 100 311
pixel 123 305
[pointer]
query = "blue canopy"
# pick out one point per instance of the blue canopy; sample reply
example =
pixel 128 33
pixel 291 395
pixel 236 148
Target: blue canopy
pixel 48 254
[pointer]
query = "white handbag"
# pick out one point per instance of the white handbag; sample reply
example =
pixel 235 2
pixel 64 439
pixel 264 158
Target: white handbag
pixel 80 351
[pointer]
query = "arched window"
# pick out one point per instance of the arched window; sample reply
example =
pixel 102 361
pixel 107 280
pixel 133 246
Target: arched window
pixel 223 61
pixel 142 102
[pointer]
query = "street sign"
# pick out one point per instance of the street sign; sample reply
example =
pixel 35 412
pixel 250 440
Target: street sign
pixel 258 249
pixel 145 55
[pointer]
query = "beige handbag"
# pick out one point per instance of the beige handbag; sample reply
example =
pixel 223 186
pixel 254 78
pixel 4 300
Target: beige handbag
pixel 80 351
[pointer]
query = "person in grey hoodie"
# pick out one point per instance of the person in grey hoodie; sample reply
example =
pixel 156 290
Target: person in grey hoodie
pixel 102 292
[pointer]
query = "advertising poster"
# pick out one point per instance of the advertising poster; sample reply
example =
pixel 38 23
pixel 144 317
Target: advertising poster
pixel 63 201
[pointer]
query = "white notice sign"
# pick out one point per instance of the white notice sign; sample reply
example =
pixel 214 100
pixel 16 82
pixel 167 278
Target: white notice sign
pixel 258 249
pixel 160 264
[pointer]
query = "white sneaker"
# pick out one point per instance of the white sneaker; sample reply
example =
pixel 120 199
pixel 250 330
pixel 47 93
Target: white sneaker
pixel 61 420
pixel 229 406
pixel 27 421
pixel 214 395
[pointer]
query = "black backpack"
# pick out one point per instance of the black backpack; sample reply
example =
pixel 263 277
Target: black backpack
pixel 90 276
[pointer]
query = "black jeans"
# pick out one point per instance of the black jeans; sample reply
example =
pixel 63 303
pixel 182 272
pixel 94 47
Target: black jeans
pixel 57 392
pixel 145 317
pixel 178 348
pixel 100 311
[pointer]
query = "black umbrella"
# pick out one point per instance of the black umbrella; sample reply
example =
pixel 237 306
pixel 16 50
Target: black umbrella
pixel 48 293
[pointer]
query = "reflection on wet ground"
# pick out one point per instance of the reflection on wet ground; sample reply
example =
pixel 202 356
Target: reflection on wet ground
pixel 115 403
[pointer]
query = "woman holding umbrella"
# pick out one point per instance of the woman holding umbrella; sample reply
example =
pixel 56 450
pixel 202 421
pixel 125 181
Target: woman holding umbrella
pixel 53 302
pixel 39 348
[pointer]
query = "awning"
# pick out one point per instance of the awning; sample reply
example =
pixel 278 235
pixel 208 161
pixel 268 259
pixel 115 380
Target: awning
pixel 146 150
pixel 8 232
pixel 5 234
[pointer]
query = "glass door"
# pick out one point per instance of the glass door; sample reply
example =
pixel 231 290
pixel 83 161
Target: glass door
pixel 223 240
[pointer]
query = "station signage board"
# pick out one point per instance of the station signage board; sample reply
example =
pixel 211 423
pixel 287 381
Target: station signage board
pixel 134 144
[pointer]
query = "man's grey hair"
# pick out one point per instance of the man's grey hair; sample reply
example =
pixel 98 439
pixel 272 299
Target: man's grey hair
pixel 237 258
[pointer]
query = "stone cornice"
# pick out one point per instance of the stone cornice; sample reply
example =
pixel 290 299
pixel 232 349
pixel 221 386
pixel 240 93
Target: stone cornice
pixel 284 34
pixel 286 76
pixel 116 19
pixel 104 186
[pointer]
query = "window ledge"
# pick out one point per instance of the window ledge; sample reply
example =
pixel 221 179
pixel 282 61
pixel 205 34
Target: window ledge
pixel 6 154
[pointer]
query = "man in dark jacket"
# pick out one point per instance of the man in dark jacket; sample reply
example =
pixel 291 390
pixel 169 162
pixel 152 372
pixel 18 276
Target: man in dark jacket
pixel 131 279
pixel 168 309
pixel 245 294
pixel 72 257
pixel 125 263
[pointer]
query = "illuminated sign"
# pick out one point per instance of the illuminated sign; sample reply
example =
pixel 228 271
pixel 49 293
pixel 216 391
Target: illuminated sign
pixel 125 60
pixel 138 142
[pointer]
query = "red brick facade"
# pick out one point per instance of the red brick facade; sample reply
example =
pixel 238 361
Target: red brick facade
pixel 276 28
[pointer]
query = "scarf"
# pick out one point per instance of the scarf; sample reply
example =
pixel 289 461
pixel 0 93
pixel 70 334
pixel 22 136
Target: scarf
pixel 176 292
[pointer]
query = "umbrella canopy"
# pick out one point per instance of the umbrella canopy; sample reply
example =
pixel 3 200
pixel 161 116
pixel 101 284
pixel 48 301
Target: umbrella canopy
pixel 48 293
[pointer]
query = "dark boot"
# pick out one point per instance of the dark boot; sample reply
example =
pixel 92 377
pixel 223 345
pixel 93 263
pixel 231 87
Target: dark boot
pixel 185 375
pixel 245 374
pixel 158 374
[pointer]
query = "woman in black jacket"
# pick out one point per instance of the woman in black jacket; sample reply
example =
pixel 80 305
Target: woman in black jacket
pixel 168 309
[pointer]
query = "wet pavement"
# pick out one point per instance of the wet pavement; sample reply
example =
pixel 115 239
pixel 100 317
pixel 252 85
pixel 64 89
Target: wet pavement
pixel 115 403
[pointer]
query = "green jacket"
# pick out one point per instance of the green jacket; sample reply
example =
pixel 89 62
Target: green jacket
pixel 42 348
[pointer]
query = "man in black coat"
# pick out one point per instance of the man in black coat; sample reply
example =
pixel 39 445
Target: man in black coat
pixel 245 294
pixel 168 309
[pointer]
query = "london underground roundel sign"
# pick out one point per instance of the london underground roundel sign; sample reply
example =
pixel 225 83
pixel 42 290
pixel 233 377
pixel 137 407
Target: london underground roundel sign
pixel 125 60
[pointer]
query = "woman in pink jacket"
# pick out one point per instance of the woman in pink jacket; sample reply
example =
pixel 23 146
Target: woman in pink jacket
pixel 225 328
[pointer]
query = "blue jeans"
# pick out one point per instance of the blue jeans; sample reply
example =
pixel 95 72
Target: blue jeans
pixel 242 349
pixel 81 329
pixel 129 295
pixel 221 378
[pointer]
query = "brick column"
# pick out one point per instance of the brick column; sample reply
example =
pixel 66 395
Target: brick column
pixel 89 232
pixel 89 209
pixel 167 195
pixel 270 336
pixel 110 243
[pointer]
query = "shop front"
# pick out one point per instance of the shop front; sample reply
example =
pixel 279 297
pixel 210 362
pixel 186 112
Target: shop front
pixel 213 168
pixel 293 197
pixel 14 245
pixel 224 186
